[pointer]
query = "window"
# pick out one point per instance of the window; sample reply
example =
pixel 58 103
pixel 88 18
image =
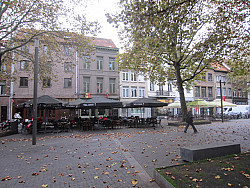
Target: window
pixel 24 64
pixel 223 78
pixel 229 92
pixel 67 82
pixel 170 87
pixel 2 87
pixel 125 92
pixel 133 92
pixel 23 81
pixel 99 63
pixel 133 77
pixel 141 78
pixel 197 91
pixel 48 66
pixel 203 92
pixel 160 90
pixel 210 92
pixel 152 86
pixel 111 63
pixel 112 85
pixel 86 62
pixel 142 92
pixel 188 90
pixel 239 93
pixel 209 77
pixel 3 67
pixel 86 83
pixel 45 49
pixel 67 50
pixel 46 82
pixel 67 67
pixel 218 91
pixel 224 91
pixel 218 78
pixel 234 93
pixel 99 85
pixel 125 76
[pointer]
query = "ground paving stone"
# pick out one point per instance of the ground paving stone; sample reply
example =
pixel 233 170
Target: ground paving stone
pixel 106 158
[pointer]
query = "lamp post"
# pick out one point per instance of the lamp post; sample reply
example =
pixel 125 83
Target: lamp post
pixel 34 130
pixel 221 98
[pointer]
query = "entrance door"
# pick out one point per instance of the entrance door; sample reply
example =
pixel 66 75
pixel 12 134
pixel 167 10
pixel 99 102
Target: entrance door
pixel 3 113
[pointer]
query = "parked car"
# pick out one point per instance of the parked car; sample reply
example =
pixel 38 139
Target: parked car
pixel 241 111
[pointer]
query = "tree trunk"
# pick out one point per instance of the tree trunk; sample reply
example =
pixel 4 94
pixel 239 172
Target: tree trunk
pixel 181 92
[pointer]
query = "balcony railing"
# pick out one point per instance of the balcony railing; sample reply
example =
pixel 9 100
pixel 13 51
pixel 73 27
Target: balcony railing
pixel 164 93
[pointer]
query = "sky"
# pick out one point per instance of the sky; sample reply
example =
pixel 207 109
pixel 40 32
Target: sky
pixel 96 10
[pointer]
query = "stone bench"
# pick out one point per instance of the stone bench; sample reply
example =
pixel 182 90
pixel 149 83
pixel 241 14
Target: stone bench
pixel 206 151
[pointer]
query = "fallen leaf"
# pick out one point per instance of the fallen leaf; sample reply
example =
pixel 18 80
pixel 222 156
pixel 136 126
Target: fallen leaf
pixel 134 182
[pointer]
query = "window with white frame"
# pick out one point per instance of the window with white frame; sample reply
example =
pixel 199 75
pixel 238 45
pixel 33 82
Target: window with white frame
pixel 234 93
pixel 68 67
pixel 125 91
pixel 224 91
pixel 133 91
pixel 24 65
pixel 112 85
pixel 239 93
pixel 99 85
pixel 170 87
pixel 111 63
pixel 218 78
pixel 223 78
pixel 197 91
pixel 45 49
pixel 142 92
pixel 67 82
pixel 124 76
pixel 99 63
pixel 210 91
pixel 133 76
pixel 141 78
pixel 229 92
pixel 67 50
pixel 203 92
pixel 86 84
pixel 86 62
pixel 218 91
pixel 209 77
pixel 2 87
pixel 152 86
pixel 47 82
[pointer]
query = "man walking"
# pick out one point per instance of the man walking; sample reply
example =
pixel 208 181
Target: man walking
pixel 189 121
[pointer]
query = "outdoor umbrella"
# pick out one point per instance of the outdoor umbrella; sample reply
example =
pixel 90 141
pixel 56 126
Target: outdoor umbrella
pixel 101 102
pixel 145 102
pixel 76 103
pixel 217 103
pixel 175 104
pixel 200 103
pixel 45 101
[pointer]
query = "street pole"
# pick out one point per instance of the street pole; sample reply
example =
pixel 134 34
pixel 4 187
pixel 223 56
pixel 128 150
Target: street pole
pixel 34 130
pixel 221 98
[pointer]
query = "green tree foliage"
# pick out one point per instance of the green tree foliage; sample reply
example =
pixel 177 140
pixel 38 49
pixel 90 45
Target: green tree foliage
pixel 177 39
pixel 54 22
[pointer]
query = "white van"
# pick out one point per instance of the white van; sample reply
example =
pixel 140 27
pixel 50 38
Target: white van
pixel 242 110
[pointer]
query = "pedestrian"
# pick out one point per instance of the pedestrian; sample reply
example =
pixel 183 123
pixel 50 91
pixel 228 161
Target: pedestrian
pixel 189 120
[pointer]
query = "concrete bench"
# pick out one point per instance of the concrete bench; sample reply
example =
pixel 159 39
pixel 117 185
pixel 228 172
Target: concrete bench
pixel 206 151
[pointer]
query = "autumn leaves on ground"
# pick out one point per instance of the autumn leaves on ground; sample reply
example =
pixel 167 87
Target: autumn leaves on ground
pixel 228 171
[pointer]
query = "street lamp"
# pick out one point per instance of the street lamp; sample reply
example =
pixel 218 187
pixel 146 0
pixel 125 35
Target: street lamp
pixel 34 131
pixel 221 98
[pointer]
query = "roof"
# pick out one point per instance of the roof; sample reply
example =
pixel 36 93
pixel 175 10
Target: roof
pixel 104 42
pixel 219 67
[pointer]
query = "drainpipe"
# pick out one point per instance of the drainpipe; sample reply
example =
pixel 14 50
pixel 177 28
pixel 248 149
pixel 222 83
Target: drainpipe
pixel 11 88
pixel 76 74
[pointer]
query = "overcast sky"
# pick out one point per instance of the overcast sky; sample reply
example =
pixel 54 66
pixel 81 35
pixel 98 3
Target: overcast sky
pixel 96 10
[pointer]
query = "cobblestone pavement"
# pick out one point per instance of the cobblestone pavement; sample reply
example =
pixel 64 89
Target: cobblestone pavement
pixel 105 158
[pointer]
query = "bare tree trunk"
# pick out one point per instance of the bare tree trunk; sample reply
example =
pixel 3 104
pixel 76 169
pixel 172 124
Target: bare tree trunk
pixel 181 92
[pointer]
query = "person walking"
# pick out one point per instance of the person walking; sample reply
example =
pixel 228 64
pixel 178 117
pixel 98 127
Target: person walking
pixel 189 121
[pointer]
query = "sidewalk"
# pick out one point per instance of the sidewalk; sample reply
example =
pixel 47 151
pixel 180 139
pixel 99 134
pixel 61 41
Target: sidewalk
pixel 105 158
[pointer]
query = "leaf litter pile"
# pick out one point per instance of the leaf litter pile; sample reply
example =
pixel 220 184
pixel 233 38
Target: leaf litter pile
pixel 228 171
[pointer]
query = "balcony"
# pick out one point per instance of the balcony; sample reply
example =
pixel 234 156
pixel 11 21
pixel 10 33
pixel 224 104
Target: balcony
pixel 165 93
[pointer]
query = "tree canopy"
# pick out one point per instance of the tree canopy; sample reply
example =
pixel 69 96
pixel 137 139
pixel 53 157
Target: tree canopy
pixel 177 39
pixel 21 21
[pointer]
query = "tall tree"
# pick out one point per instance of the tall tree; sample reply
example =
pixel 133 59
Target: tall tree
pixel 21 21
pixel 177 39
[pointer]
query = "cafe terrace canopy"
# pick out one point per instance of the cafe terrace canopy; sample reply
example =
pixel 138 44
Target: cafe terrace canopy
pixel 200 103
pixel 45 101
pixel 101 102
pixel 145 102
pixel 76 103
pixel 217 103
